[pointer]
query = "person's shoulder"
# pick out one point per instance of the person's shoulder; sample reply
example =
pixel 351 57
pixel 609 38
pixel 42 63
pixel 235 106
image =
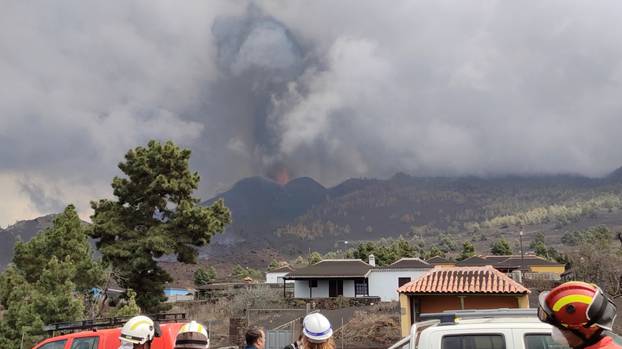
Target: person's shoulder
pixel 609 341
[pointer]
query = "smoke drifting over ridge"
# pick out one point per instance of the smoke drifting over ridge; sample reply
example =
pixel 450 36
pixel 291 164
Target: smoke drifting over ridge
pixel 325 89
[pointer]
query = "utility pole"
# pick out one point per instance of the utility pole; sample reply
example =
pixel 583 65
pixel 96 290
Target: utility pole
pixel 522 253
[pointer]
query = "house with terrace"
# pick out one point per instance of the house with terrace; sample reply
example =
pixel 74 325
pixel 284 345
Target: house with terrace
pixel 354 278
pixel 331 278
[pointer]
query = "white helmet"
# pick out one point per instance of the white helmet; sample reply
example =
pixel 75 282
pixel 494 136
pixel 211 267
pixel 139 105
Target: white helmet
pixel 192 336
pixel 316 328
pixel 137 330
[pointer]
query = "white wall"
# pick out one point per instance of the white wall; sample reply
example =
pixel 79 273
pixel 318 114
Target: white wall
pixel 384 284
pixel 301 289
pixel 276 278
pixel 348 288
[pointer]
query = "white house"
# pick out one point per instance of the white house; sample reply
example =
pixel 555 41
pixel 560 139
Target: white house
pixel 331 278
pixel 355 278
pixel 384 281
pixel 276 276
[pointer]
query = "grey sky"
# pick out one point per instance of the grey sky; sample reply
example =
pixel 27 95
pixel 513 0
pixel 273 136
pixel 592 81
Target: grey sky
pixel 323 88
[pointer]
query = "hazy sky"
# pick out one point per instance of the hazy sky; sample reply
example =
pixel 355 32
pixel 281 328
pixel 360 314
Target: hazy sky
pixel 328 89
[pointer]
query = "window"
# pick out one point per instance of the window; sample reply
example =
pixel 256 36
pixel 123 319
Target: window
pixel 312 283
pixel 54 345
pixel 360 288
pixel 85 343
pixel 541 341
pixel 402 281
pixel 479 341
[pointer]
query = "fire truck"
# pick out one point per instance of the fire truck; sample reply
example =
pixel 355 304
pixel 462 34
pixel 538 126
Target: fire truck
pixel 104 333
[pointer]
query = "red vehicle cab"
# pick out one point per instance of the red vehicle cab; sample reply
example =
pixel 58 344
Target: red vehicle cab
pixel 108 339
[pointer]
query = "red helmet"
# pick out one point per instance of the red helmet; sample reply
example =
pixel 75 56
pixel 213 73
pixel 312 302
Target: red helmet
pixel 577 306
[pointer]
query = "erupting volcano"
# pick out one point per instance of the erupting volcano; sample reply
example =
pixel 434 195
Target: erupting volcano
pixel 279 174
pixel 282 176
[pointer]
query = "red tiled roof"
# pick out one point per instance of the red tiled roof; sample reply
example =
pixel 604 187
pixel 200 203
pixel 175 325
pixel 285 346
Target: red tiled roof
pixel 464 280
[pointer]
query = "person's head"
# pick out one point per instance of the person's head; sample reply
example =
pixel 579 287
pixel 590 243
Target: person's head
pixel 580 311
pixel 137 333
pixel 317 331
pixel 255 337
pixel 192 336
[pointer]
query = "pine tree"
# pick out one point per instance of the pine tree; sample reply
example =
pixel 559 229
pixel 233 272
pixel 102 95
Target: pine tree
pixel 468 250
pixel 67 238
pixel 501 247
pixel 130 308
pixel 435 252
pixel 315 257
pixel 154 214
pixel 203 276
pixel 274 265
pixel 41 284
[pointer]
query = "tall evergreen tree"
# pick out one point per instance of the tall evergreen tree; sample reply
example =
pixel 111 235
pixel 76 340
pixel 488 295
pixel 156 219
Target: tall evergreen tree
pixel 315 257
pixel 203 276
pixel 154 214
pixel 67 241
pixel 41 284
pixel 501 247
pixel 468 250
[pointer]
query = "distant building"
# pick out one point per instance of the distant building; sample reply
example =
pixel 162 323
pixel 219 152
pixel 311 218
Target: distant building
pixel 532 266
pixel 179 294
pixel 475 261
pixel 530 263
pixel 457 288
pixel 440 262
pixel 276 276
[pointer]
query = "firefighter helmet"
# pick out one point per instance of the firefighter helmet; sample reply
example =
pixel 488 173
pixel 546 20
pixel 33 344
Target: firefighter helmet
pixel 578 306
pixel 137 330
pixel 192 336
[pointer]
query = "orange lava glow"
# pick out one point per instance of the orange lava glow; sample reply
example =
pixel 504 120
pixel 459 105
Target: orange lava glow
pixel 282 176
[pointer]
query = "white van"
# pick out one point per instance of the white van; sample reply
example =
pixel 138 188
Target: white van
pixel 480 329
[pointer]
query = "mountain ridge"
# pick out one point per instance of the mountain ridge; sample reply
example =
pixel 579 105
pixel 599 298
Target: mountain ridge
pixel 303 214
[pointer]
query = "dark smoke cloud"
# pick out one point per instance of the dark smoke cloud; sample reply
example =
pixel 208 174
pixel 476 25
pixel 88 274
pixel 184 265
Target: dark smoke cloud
pixel 325 89
pixel 41 200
